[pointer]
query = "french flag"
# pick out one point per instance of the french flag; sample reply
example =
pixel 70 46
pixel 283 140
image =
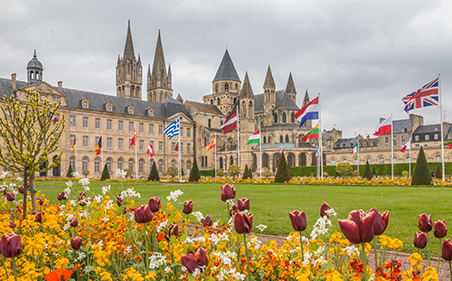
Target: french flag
pixel 384 128
pixel 309 112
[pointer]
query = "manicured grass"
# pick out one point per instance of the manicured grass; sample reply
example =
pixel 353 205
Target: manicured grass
pixel 271 203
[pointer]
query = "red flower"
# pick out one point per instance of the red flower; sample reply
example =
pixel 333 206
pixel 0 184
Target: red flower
pixel 233 209
pixel 11 224
pixel 243 223
pixel 143 214
pixel 171 230
pixel 20 188
pixel 227 192
pixel 188 207
pixel 358 227
pixel 323 208
pixel 243 204
pixel 119 200
pixel 440 229
pixel 82 196
pixel 201 256
pixel 62 196
pixel 447 250
pixel 425 223
pixel 38 216
pixel 207 221
pixel 76 242
pixel 10 245
pixel 298 220
pixel 40 201
pixel 190 261
pixel 73 222
pixel 154 204
pixel 56 275
pixel 420 240
pixel 380 222
pixel 10 196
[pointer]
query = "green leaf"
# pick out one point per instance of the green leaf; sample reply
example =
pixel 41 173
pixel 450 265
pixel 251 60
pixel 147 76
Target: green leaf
pixel 191 278
pixel 88 269
pixel 327 266
pixel 314 246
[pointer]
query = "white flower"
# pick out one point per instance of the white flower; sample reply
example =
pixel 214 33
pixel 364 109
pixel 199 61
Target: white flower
pixel 198 216
pixel 97 198
pixel 4 174
pixel 19 179
pixel 86 188
pixel 331 212
pixel 69 184
pixel 84 181
pixel 261 227
pixel 105 189
pixel 157 260
pixel 174 195
pixel 230 202
pixel 162 226
pixel 120 174
pixel 130 193
pixel 76 175
pixel 167 269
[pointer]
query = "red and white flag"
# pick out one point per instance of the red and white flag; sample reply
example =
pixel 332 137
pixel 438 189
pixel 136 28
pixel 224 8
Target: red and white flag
pixel 406 146
pixel 384 128
pixel 134 138
pixel 230 123
pixel 150 150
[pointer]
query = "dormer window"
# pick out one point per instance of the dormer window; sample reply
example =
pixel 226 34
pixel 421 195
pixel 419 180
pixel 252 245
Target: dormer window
pixel 130 109
pixel 85 103
pixel 56 99
pixel 151 112
pixel 109 106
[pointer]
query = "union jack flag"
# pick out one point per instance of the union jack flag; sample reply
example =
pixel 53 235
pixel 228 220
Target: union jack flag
pixel 425 96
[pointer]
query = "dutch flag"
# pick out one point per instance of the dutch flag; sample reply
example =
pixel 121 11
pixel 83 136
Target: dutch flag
pixel 309 112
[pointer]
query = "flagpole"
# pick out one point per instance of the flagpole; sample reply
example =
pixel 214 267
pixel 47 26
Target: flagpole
pixel 442 134
pixel 136 153
pixel 101 150
pixel 392 149
pixel 320 141
pixel 215 138
pixel 238 135
pixel 357 150
pixel 180 145
pixel 409 165
pixel 75 154
pixel 260 150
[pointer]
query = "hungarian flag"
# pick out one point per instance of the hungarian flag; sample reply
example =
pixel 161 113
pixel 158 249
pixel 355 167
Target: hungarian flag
pixel 255 138
pixel 230 123
pixel 133 142
pixel 384 128
pixel 150 150
pixel 406 146
pixel 312 134
pixel 176 148
pixel 212 143
pixel 356 149
pixel 98 146
pixel 73 145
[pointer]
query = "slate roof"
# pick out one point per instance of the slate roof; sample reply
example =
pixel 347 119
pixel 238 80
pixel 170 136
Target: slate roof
pixel 226 70
pixel 348 143
pixel 205 107
pixel 427 129
pixel 399 124
pixel 163 110
pixel 283 101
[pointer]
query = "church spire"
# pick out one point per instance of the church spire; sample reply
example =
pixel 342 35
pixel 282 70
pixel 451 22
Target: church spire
pixel 269 81
pixel 159 82
pixel 290 88
pixel 159 65
pixel 129 53
pixel 247 91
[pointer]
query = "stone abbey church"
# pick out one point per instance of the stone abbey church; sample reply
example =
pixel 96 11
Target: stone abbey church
pixel 90 115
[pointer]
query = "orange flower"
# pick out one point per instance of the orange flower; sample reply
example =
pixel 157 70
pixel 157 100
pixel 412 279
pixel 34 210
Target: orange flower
pixel 161 236
pixel 56 275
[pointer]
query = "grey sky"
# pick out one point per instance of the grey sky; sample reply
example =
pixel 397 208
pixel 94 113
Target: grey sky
pixel 362 56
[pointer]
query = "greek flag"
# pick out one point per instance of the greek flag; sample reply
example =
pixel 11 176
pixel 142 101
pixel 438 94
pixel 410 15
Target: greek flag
pixel 172 129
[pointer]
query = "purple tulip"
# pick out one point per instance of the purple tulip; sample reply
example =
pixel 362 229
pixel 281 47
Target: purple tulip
pixel 425 223
pixel 76 242
pixel 154 204
pixel 440 229
pixel 243 204
pixel 358 227
pixel 420 240
pixel 298 220
pixel 243 223
pixel 143 214
pixel 188 207
pixel 10 245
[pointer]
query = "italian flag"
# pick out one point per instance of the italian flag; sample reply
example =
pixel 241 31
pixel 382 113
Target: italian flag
pixel 176 148
pixel 255 138
pixel 312 134
pixel 355 149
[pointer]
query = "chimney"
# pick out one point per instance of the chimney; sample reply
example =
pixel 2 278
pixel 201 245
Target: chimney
pixel 60 86
pixel 13 80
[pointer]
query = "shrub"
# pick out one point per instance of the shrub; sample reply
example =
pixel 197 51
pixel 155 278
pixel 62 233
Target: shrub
pixel 128 173
pixel 182 172
pixel 69 172
pixel 194 173
pixel 105 173
pixel 344 168
pixel 438 173
pixel 85 173
pixel 246 173
pixel 220 173
pixel 282 172
pixel 367 173
pixel 405 174
pixel 234 170
pixel 421 174
pixel 153 174
pixel 172 171
pixel 374 173
pixel 267 173
pixel 355 173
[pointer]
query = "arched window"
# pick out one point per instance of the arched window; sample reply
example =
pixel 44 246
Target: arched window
pixel 109 165
pixel 381 160
pixel 276 117
pixel 218 101
pixel 369 161
pixel 356 161
pixel 72 163
pixel 408 159
pixel 344 160
pixel 250 108
pixel 216 88
pixel 231 160
pixel 173 163
pixel 292 117
pixel 235 100
pixel 394 159
pixel 281 138
pixel 140 166
pixel 333 162
pixel 131 165
pixel 226 87
pixel 221 162
pixel 188 167
pixel 211 101
pixel 85 164
pixel 120 164
pixel 438 158
pixel 265 139
pixel 287 138
pixel 208 123
pixel 96 165
pixel 160 166
pixel 284 119
pixel 236 87
pixel 243 109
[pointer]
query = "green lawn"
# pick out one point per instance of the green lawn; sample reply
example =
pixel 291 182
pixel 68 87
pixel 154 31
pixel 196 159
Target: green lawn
pixel 271 203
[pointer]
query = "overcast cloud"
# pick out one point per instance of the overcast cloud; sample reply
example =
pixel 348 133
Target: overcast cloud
pixel 361 56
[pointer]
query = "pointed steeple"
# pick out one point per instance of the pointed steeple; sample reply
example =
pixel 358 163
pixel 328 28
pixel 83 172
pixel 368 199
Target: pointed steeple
pixel 159 65
pixel 226 70
pixel 159 83
pixel 269 82
pixel 306 99
pixel 129 54
pixel 290 87
pixel 247 91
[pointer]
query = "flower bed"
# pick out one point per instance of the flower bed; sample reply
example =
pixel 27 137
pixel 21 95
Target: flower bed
pixel 105 237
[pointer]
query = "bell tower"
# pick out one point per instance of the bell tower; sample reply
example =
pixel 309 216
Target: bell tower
pixel 34 70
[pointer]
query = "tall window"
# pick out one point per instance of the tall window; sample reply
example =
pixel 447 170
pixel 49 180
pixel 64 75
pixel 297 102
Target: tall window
pixel 130 126
pixel 109 141
pixel 402 139
pixel 160 166
pixel 284 117
pixel 394 159
pixel 333 162
pixel 141 127
pixel 141 144
pixel 408 159
pixel 96 165
pixel 438 158
pixel 131 165
pixel 160 129
pixel 108 124
pixel 292 117
pixel 72 163
pixel 120 163
pixel 427 137
pixel 188 132
pixel 381 160
pixel 130 146
pixel 151 129
pixel 120 144
pixel 140 166
pixel 85 141
pixel 160 146
pixel 72 140
pixel 97 123
pixel 109 165
pixel 188 148
pixel 85 122
pixel 276 118
pixel 85 164
pixel 120 126
pixel 72 120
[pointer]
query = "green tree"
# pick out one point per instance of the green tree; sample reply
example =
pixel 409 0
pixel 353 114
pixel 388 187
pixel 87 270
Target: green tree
pixel 194 173
pixel 220 173
pixel 267 173
pixel 438 173
pixel 233 171
pixel 282 172
pixel 153 174
pixel 344 168
pixel 374 173
pixel 172 171
pixel 246 173
pixel 105 173
pixel 421 173
pixel 69 172
pixel 182 172
pixel 30 136
pixel 367 172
